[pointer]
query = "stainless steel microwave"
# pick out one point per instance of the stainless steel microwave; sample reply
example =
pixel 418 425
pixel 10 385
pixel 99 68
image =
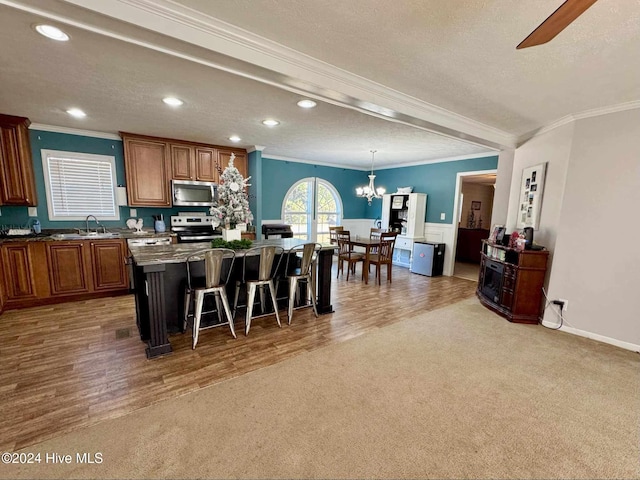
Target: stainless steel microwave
pixel 194 194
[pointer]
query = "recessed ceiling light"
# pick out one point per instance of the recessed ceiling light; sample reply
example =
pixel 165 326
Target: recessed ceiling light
pixel 235 138
pixel 54 33
pixel 173 101
pixel 269 122
pixel 307 103
pixel 76 112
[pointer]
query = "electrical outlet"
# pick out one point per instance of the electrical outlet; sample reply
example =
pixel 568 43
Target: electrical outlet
pixel 566 304
pixel 442 216
pixel 33 211
pixel 133 212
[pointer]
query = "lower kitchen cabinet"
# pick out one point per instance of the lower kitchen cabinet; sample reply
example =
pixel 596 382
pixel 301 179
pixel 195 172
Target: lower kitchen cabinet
pixel 24 270
pixel 109 268
pixel 44 272
pixel 68 265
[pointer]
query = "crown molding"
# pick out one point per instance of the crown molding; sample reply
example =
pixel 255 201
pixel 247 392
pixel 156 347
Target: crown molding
pixel 299 73
pixel 595 112
pixel 256 148
pixel 74 131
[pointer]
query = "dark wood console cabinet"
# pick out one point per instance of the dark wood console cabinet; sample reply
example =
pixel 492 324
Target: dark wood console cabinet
pixel 511 281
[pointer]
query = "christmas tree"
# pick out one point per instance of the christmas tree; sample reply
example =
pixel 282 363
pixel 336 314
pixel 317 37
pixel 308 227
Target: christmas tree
pixel 233 202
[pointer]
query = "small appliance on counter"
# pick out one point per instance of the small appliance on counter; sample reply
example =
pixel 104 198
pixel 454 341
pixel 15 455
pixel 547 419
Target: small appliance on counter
pixel 428 258
pixel 158 223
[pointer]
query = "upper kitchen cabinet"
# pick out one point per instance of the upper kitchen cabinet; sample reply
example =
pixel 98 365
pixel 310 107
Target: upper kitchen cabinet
pixel 147 163
pixel 207 164
pixel 182 162
pixel 17 182
pixel 189 162
pixel 240 162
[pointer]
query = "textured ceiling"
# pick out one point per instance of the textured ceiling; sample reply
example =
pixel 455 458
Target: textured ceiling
pixel 458 55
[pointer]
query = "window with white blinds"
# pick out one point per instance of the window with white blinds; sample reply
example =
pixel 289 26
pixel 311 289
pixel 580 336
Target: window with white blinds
pixel 80 184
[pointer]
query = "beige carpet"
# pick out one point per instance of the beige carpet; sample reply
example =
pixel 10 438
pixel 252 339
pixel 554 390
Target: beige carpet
pixel 453 393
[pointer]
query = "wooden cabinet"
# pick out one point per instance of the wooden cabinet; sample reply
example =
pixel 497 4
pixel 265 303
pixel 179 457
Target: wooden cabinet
pixel 152 162
pixel 511 282
pixel 469 244
pixel 17 181
pixel 19 275
pixel 405 213
pixel 240 162
pixel 182 162
pixel 147 165
pixel 69 268
pixel 45 272
pixel 207 165
pixel 109 269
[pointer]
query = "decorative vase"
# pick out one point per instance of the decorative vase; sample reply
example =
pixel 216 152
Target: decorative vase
pixel 231 234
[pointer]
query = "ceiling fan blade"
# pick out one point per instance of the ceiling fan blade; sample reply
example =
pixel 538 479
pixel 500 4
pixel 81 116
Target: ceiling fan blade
pixel 556 22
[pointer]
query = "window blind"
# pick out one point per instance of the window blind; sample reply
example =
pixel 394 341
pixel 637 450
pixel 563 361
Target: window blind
pixel 81 186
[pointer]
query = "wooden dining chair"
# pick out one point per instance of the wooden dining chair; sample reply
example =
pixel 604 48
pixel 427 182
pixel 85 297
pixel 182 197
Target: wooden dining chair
pixel 384 255
pixel 333 238
pixel 346 254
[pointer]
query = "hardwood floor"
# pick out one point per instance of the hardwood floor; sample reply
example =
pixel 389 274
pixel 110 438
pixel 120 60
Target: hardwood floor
pixel 71 365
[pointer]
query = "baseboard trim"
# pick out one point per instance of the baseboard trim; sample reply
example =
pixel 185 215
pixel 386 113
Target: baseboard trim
pixel 594 336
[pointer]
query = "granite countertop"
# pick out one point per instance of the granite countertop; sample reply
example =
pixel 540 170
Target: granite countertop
pixel 48 235
pixel 178 253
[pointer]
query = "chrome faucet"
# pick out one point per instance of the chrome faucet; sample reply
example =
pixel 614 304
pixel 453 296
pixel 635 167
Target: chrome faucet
pixel 104 230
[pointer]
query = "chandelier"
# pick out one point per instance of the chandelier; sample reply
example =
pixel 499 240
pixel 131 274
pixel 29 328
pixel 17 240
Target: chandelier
pixel 370 191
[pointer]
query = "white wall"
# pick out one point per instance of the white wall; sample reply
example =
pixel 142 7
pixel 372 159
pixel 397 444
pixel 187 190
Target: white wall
pixel 554 148
pixel 502 191
pixel 592 194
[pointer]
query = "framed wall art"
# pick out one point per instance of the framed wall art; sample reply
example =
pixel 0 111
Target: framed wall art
pixel 475 205
pixel 531 191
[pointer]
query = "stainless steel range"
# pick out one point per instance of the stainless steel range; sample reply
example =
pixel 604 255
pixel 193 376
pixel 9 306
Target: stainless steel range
pixel 191 227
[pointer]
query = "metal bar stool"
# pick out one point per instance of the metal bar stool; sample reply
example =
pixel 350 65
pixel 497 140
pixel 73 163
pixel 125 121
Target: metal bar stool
pixel 216 261
pixel 305 255
pixel 259 280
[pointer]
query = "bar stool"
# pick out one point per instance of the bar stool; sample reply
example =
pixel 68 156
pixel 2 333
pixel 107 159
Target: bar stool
pixel 304 255
pixel 213 283
pixel 259 280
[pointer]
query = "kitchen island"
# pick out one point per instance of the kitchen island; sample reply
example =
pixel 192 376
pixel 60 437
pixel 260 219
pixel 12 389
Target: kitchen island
pixel 159 274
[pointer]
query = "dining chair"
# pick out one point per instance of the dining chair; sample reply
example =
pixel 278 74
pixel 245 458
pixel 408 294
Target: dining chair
pixel 333 238
pixel 374 234
pixel 299 267
pixel 259 268
pixel 218 265
pixel 346 253
pixel 384 255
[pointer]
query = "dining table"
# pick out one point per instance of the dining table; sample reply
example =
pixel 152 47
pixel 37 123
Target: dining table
pixel 368 244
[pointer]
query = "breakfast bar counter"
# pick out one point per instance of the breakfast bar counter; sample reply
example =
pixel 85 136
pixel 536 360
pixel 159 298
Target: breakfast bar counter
pixel 159 273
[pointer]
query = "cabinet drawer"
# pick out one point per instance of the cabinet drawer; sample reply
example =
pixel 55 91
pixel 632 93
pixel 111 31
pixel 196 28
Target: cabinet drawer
pixel 509 281
pixel 404 243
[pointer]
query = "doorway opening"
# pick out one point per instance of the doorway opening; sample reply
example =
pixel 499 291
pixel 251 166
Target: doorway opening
pixel 474 196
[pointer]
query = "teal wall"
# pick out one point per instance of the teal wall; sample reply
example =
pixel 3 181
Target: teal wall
pixel 279 175
pixel 437 180
pixel 271 179
pixel 18 216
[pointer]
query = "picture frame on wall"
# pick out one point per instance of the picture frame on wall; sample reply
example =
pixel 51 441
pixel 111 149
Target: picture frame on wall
pixel 475 205
pixel 531 188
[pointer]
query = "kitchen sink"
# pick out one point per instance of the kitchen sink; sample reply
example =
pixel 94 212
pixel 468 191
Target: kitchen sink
pixel 85 236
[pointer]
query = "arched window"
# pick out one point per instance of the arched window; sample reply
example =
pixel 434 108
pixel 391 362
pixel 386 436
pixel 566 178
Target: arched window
pixel 311 206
